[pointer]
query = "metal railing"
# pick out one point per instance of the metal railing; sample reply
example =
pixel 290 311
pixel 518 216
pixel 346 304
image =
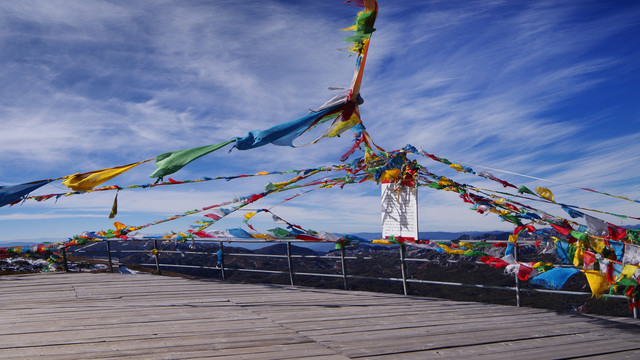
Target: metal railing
pixel 158 253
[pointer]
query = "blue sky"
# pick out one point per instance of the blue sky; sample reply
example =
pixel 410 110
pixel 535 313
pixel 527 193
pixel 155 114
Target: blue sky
pixel 548 89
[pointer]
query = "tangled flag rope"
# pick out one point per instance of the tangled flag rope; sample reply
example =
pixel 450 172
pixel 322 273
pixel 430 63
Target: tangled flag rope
pixel 607 254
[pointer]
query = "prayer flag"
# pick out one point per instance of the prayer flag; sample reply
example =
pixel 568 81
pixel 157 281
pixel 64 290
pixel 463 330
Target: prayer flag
pixel 14 193
pixel 554 278
pixel 597 282
pixel 545 193
pixel 282 134
pixel 172 161
pixel 596 226
pixel 89 180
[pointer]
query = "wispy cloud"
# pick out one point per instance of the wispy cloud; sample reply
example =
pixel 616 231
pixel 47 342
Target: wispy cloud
pixel 31 217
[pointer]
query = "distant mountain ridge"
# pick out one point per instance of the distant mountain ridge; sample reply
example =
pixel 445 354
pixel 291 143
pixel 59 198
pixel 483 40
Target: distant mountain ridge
pixel 431 235
pixel 424 235
pixel 455 235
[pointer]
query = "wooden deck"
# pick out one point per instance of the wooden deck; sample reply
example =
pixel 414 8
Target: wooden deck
pixel 106 316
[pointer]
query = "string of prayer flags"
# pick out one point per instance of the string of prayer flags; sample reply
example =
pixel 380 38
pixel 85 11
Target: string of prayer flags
pixel 174 182
pixel 521 189
pixel 363 28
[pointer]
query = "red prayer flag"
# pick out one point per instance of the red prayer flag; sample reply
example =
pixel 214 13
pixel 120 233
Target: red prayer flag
pixel 492 261
pixel 561 230
pixel 524 271
pixel 616 232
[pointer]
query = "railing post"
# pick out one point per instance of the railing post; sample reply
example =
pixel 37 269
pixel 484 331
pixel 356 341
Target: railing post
pixel 220 255
pixel 65 266
pixel 403 268
pixel 290 262
pixel 109 256
pixel 635 303
pixel 344 268
pixel 156 254
pixel 515 257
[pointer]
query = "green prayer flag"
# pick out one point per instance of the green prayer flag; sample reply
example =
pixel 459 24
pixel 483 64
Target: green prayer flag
pixel 512 219
pixel 634 235
pixel 474 253
pixel 524 190
pixel 435 185
pixel 279 232
pixel 627 282
pixel 445 161
pixel 579 235
pixel 571 252
pixel 172 161
pixel 482 244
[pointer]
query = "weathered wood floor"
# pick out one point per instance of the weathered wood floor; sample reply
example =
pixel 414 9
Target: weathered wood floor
pixel 105 316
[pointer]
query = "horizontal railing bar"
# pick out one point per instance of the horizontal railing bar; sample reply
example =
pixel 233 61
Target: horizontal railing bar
pixel 185 266
pixel 251 240
pixel 185 252
pixel 449 283
pixel 86 252
pixel 319 274
pixel 254 270
pixel 148 251
pixel 564 292
pixel 471 262
pixel 296 256
pixel 257 255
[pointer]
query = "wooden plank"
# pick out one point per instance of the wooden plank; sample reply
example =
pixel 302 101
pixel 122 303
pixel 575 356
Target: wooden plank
pixel 619 355
pixel 68 316
pixel 536 348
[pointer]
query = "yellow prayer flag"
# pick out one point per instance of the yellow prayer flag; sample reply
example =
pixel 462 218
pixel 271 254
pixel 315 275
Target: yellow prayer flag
pixel 577 258
pixel 513 238
pixel 597 282
pixel 342 126
pixel 627 272
pixel 597 244
pixel 382 241
pixel 499 212
pixel 263 236
pixel 249 215
pixel 444 182
pixel 458 168
pixel 390 175
pixel 119 225
pixel 545 193
pixel 89 180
